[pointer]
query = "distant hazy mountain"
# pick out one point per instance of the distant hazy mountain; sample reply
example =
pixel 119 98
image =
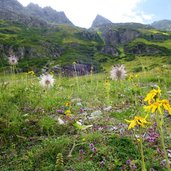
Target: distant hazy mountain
pixel 164 25
pixel 13 10
pixel 100 20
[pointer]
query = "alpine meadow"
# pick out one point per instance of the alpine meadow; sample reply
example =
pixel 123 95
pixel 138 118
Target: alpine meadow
pixel 77 99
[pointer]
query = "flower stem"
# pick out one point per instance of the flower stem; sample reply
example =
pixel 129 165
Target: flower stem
pixel 160 126
pixel 142 155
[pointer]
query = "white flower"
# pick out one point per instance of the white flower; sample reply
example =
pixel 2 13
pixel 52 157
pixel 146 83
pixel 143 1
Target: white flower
pixel 60 121
pixel 47 80
pixel 118 72
pixel 12 60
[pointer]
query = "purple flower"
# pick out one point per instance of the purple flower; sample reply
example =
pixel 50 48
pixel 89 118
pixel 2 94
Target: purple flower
pixel 102 163
pixel 91 146
pixel 163 163
pixel 128 162
pixel 132 166
pixel 60 111
pixel 123 168
pixel 81 151
pixel 152 135
pixel 94 150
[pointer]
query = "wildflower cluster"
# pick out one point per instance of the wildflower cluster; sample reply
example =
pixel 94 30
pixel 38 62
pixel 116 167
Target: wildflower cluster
pixel 152 135
pixel 68 109
pixel 158 106
pixel 155 103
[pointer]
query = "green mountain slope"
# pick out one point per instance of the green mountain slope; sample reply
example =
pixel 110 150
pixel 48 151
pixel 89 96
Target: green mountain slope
pixel 64 44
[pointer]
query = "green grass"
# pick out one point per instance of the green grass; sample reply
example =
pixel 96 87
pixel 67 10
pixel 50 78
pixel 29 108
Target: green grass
pixel 32 138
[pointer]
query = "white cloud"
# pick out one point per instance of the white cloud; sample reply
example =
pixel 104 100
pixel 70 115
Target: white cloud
pixel 83 12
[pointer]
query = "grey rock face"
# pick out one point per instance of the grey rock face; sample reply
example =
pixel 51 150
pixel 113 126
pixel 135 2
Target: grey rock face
pixel 78 69
pixel 109 50
pixel 89 35
pixel 15 17
pixel 120 36
pixel 144 49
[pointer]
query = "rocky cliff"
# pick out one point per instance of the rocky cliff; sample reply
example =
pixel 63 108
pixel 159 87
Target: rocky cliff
pixel 12 10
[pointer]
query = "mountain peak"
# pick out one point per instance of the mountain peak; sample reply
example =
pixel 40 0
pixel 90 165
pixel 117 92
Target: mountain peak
pixel 164 25
pixel 48 14
pixel 11 5
pixel 100 20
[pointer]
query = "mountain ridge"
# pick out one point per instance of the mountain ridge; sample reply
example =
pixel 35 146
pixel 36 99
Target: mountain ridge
pixel 37 42
pixel 47 14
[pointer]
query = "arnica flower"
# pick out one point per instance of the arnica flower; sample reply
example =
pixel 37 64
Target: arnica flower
pixel 159 105
pixel 13 60
pixel 47 80
pixel 138 120
pixel 118 72
pixel 153 95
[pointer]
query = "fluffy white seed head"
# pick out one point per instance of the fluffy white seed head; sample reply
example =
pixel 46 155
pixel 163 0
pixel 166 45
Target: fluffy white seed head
pixel 47 80
pixel 118 72
pixel 13 60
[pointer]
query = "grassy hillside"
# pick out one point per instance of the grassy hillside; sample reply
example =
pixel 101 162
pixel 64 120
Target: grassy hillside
pixel 33 139
pixel 62 45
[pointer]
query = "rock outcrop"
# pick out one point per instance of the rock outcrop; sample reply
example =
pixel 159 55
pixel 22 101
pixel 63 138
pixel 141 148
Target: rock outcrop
pixel 100 20
pixel 110 50
pixel 120 36
pixel 144 49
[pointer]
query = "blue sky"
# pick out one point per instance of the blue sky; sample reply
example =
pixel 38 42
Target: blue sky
pixel 160 9
pixel 83 12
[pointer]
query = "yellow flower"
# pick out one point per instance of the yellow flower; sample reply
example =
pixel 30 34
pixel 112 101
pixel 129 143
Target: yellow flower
pixel 166 105
pixel 68 113
pixel 153 95
pixel 158 106
pixel 138 120
pixel 67 104
pixel 130 77
pixel 154 107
